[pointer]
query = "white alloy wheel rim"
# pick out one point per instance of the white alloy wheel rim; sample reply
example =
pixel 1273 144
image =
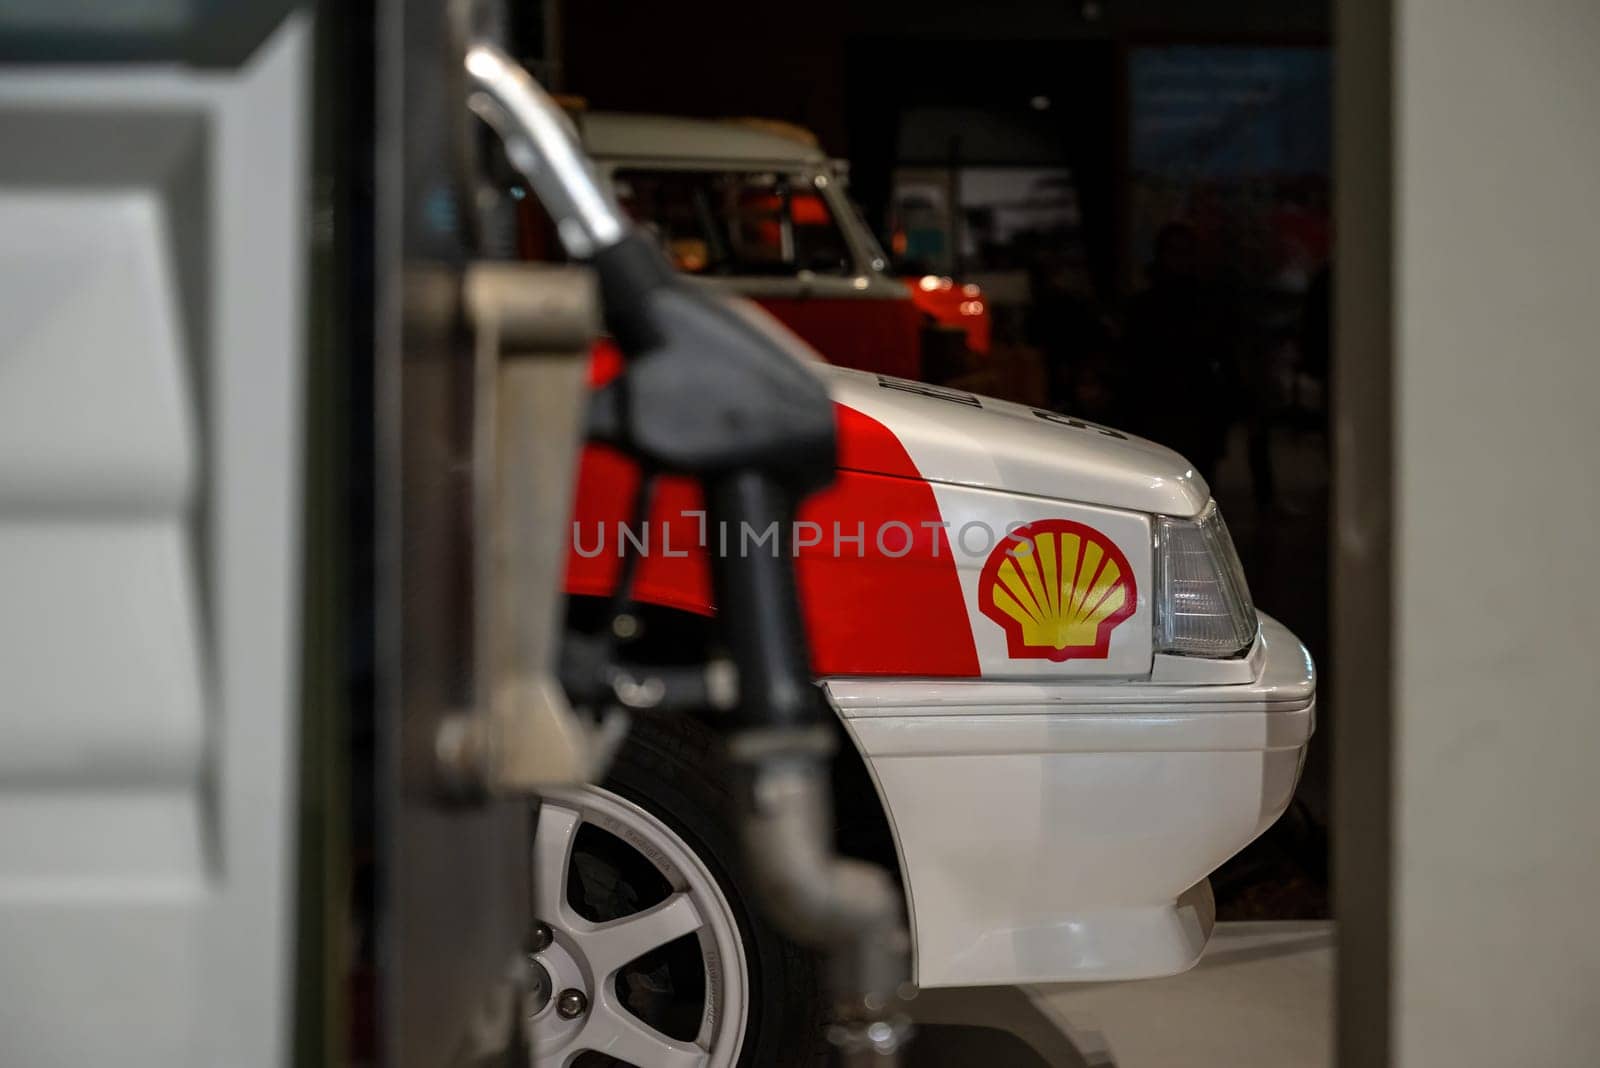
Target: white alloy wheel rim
pixel 585 957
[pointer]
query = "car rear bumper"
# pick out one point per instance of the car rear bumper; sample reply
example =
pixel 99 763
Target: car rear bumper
pixel 1054 831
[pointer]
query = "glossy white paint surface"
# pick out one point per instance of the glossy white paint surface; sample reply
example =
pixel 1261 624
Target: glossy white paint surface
pixel 1062 830
pixel 978 520
pixel 993 444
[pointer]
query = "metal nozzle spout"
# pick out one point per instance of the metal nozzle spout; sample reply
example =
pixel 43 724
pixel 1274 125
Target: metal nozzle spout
pixel 848 907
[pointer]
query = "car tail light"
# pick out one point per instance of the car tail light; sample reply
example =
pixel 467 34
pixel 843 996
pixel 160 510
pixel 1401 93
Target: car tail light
pixel 1202 603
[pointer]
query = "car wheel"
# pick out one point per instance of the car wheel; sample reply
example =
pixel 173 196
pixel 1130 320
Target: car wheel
pixel 651 953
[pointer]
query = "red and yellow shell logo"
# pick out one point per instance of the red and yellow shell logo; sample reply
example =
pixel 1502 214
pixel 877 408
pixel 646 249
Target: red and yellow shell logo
pixel 1058 589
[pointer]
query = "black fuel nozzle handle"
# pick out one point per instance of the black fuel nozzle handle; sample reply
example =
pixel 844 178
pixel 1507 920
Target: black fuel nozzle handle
pixel 715 388
pixel 709 390
pixel 722 395
pixel 753 579
pixel 712 386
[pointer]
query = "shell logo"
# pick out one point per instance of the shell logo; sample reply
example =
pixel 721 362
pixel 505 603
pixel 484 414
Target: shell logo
pixel 1058 589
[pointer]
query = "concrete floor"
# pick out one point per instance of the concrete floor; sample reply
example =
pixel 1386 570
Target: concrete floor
pixel 1260 998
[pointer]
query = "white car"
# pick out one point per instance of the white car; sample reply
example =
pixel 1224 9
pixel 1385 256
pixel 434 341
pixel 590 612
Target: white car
pixel 1060 706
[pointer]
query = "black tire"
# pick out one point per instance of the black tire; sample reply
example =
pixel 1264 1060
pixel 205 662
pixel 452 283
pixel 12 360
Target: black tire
pixel 673 767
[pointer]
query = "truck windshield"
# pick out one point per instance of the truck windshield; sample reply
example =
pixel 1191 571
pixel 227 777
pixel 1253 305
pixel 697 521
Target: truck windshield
pixel 736 223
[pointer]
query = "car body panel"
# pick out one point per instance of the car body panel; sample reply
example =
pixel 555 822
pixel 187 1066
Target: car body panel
pixel 892 558
pixel 966 439
pixel 978 520
pixel 1063 831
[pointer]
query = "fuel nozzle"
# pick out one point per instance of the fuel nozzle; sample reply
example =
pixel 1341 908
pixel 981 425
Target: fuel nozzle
pixel 782 745
pixel 720 396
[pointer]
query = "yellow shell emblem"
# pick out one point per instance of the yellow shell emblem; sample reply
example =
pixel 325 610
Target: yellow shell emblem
pixel 1058 589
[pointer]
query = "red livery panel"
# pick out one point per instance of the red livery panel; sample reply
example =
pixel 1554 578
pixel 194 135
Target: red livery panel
pixel 878 583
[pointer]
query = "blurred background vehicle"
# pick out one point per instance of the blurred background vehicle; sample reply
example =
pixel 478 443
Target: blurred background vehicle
pixel 753 207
